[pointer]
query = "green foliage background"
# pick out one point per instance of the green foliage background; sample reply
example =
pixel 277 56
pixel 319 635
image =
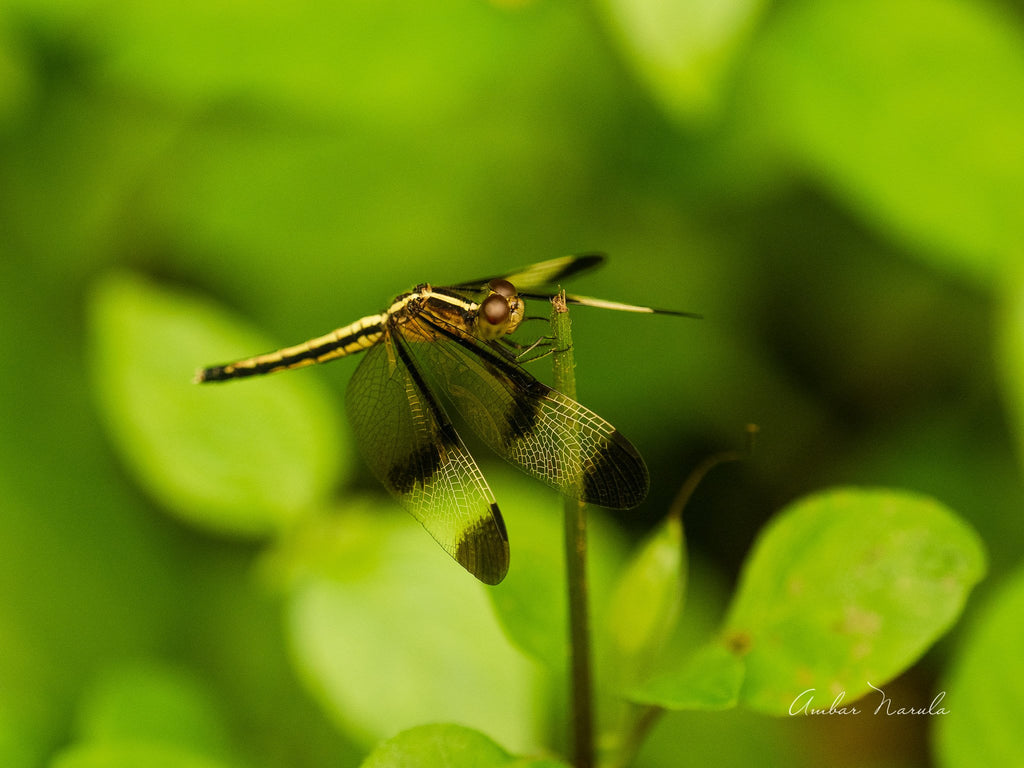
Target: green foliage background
pixel 838 187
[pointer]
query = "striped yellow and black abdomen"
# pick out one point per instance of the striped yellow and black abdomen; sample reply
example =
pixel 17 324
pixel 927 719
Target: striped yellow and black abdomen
pixel 341 342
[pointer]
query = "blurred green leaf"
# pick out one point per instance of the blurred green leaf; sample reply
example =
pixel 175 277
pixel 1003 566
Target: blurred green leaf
pixel 237 641
pixel 952 455
pixel 155 705
pixel 342 546
pixel 845 588
pixel 245 457
pixel 446 746
pixel 1011 356
pixel 985 688
pixel 405 636
pixel 531 602
pixel 683 50
pixel 709 679
pixel 307 162
pixel 21 745
pixel 15 81
pixel 345 60
pixel 126 755
pixel 84 153
pixel 910 112
pixel 735 738
pixel 646 601
pixel 85 573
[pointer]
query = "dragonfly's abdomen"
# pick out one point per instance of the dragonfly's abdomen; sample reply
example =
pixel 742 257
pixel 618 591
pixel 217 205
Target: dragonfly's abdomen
pixel 349 340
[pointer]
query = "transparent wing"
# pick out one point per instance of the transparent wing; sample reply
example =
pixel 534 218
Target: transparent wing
pixel 549 274
pixel 590 301
pixel 545 273
pixel 540 430
pixel 412 448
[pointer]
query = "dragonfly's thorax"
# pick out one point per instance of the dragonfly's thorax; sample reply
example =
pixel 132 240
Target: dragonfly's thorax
pixel 494 315
pixel 405 309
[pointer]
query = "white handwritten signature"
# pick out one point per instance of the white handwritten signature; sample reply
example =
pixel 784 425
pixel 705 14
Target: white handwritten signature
pixel 803 704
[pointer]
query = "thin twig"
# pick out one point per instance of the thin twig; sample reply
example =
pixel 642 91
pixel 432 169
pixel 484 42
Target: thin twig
pixel 722 457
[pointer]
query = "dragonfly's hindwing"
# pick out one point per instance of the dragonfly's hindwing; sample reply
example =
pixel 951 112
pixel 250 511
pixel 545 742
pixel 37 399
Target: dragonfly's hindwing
pixel 412 448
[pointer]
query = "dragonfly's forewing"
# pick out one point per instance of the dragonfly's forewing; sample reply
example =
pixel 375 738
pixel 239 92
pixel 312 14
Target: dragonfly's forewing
pixel 540 430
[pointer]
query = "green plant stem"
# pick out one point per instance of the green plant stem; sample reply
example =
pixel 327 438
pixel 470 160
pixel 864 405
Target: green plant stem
pixel 581 686
pixel 644 718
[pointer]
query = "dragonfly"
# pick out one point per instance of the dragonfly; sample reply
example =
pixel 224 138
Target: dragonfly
pixel 449 346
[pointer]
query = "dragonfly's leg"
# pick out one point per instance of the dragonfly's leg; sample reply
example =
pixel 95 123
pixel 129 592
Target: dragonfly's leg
pixel 521 353
pixel 537 357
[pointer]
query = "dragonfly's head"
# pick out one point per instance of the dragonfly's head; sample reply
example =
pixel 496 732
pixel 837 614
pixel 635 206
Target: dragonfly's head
pixel 501 312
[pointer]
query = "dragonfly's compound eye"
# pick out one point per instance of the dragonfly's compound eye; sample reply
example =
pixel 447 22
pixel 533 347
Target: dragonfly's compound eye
pixel 495 309
pixel 503 287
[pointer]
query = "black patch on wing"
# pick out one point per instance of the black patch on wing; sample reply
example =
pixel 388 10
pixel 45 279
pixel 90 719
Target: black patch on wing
pixel 483 549
pixel 580 263
pixel 542 273
pixel 536 428
pixel 417 467
pixel 413 449
pixel 421 465
pixel 521 418
pixel 617 460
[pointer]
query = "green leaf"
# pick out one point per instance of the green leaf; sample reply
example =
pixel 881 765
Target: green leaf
pixel 121 755
pixel 683 51
pixel 845 588
pixel 241 457
pixel 530 602
pixel 646 601
pixel 985 688
pixel 152 704
pixel 709 679
pixel 403 635
pixel 735 738
pixel 911 113
pixel 446 746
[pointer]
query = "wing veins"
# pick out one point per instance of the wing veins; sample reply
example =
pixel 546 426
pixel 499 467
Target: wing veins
pixel 413 449
pixel 535 427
